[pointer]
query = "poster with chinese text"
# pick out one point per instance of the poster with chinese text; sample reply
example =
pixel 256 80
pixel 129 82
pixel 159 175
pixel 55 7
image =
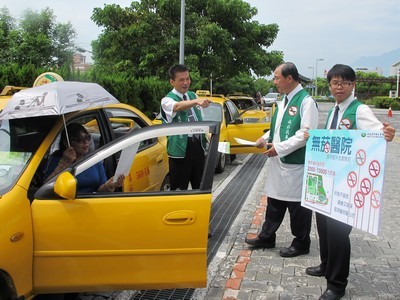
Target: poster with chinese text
pixel 344 174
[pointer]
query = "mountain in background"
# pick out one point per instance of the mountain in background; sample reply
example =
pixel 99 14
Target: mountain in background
pixel 384 62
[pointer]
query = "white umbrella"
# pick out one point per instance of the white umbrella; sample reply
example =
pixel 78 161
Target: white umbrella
pixel 56 98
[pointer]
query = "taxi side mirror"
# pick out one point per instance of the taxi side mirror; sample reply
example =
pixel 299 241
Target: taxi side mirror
pixel 237 121
pixel 65 186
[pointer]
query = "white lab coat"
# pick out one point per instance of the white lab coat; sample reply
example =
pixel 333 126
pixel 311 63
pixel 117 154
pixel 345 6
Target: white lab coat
pixel 284 181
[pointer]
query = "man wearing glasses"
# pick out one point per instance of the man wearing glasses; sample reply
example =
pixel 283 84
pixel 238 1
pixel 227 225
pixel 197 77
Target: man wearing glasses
pixel 334 242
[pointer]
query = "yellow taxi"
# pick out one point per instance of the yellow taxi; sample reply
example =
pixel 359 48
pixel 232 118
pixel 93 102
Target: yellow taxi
pixel 245 103
pixel 56 240
pixel 6 94
pixel 236 125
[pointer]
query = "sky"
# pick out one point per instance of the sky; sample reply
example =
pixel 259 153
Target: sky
pixel 313 34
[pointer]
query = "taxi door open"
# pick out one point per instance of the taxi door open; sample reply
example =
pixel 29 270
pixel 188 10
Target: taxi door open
pixel 123 240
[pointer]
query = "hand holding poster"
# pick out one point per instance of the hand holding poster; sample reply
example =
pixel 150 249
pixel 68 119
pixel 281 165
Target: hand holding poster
pixel 343 176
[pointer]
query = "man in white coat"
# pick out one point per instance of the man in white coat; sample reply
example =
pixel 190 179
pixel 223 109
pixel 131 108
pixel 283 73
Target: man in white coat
pixel 285 145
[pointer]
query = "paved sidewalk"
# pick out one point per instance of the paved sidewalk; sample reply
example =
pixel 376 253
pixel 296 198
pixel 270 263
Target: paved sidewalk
pixel 240 272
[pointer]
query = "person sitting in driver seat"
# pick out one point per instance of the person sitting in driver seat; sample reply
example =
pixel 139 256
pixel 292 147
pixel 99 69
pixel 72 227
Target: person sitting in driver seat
pixel 93 179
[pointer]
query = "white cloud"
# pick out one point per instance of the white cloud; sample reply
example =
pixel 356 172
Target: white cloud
pixel 339 32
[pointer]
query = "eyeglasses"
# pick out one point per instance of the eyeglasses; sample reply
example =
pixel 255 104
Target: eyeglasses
pixel 82 139
pixel 344 84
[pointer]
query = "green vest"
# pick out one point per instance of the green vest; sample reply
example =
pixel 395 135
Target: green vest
pixel 176 144
pixel 349 118
pixel 291 122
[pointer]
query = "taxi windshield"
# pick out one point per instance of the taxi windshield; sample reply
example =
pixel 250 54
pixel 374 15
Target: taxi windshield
pixel 20 138
pixel 212 113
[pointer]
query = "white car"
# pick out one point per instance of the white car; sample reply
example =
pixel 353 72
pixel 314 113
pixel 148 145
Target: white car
pixel 270 98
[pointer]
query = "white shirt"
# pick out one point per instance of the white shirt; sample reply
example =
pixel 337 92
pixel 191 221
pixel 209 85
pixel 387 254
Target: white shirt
pixel 366 120
pixel 284 181
pixel 168 104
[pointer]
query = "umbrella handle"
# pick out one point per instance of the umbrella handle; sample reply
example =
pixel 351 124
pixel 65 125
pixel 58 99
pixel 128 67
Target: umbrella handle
pixel 66 131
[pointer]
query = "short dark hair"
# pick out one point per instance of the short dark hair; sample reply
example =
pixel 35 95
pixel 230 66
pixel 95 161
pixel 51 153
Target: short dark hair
pixel 74 131
pixel 343 71
pixel 289 68
pixel 177 69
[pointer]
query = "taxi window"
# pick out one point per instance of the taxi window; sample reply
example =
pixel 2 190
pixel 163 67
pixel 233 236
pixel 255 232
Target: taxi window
pixel 91 124
pixel 232 109
pixel 123 121
pixel 20 138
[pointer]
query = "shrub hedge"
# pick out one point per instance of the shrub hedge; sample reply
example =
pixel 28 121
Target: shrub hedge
pixel 143 93
pixel 386 102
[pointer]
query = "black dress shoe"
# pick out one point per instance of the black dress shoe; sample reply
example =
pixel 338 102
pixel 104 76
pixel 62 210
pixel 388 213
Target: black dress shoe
pixel 331 295
pixel 316 271
pixel 259 243
pixel 292 252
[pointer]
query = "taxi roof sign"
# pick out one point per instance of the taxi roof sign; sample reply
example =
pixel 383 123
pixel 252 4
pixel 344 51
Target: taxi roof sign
pixel 47 77
pixel 203 93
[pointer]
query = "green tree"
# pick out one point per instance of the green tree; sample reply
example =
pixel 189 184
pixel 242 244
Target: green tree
pixel 8 36
pixel 45 42
pixel 264 86
pixel 38 40
pixel 220 39
pixel 323 87
pixel 242 82
pixel 371 84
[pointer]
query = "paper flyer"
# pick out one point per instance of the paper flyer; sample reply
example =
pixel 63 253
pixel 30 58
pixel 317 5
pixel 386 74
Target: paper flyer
pixel 245 142
pixel 125 161
pixel 224 147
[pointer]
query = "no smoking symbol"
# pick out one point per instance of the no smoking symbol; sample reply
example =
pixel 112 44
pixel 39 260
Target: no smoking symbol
pixel 358 200
pixel 327 147
pixel 292 110
pixel 352 179
pixel 345 124
pixel 360 157
pixel 374 168
pixel 375 199
pixel 365 186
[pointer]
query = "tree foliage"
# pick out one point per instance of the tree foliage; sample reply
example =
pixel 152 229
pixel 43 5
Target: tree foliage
pixel 221 39
pixel 37 40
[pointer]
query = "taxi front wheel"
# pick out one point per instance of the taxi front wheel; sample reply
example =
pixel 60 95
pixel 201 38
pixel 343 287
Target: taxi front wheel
pixel 221 162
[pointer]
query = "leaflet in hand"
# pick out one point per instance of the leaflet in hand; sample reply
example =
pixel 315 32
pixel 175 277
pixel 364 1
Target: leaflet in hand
pixel 245 142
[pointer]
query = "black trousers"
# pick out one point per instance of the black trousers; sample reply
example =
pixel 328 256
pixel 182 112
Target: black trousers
pixel 187 169
pixel 300 222
pixel 335 248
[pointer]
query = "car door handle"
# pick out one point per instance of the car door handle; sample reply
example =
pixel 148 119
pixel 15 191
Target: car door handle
pixel 180 217
pixel 159 159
